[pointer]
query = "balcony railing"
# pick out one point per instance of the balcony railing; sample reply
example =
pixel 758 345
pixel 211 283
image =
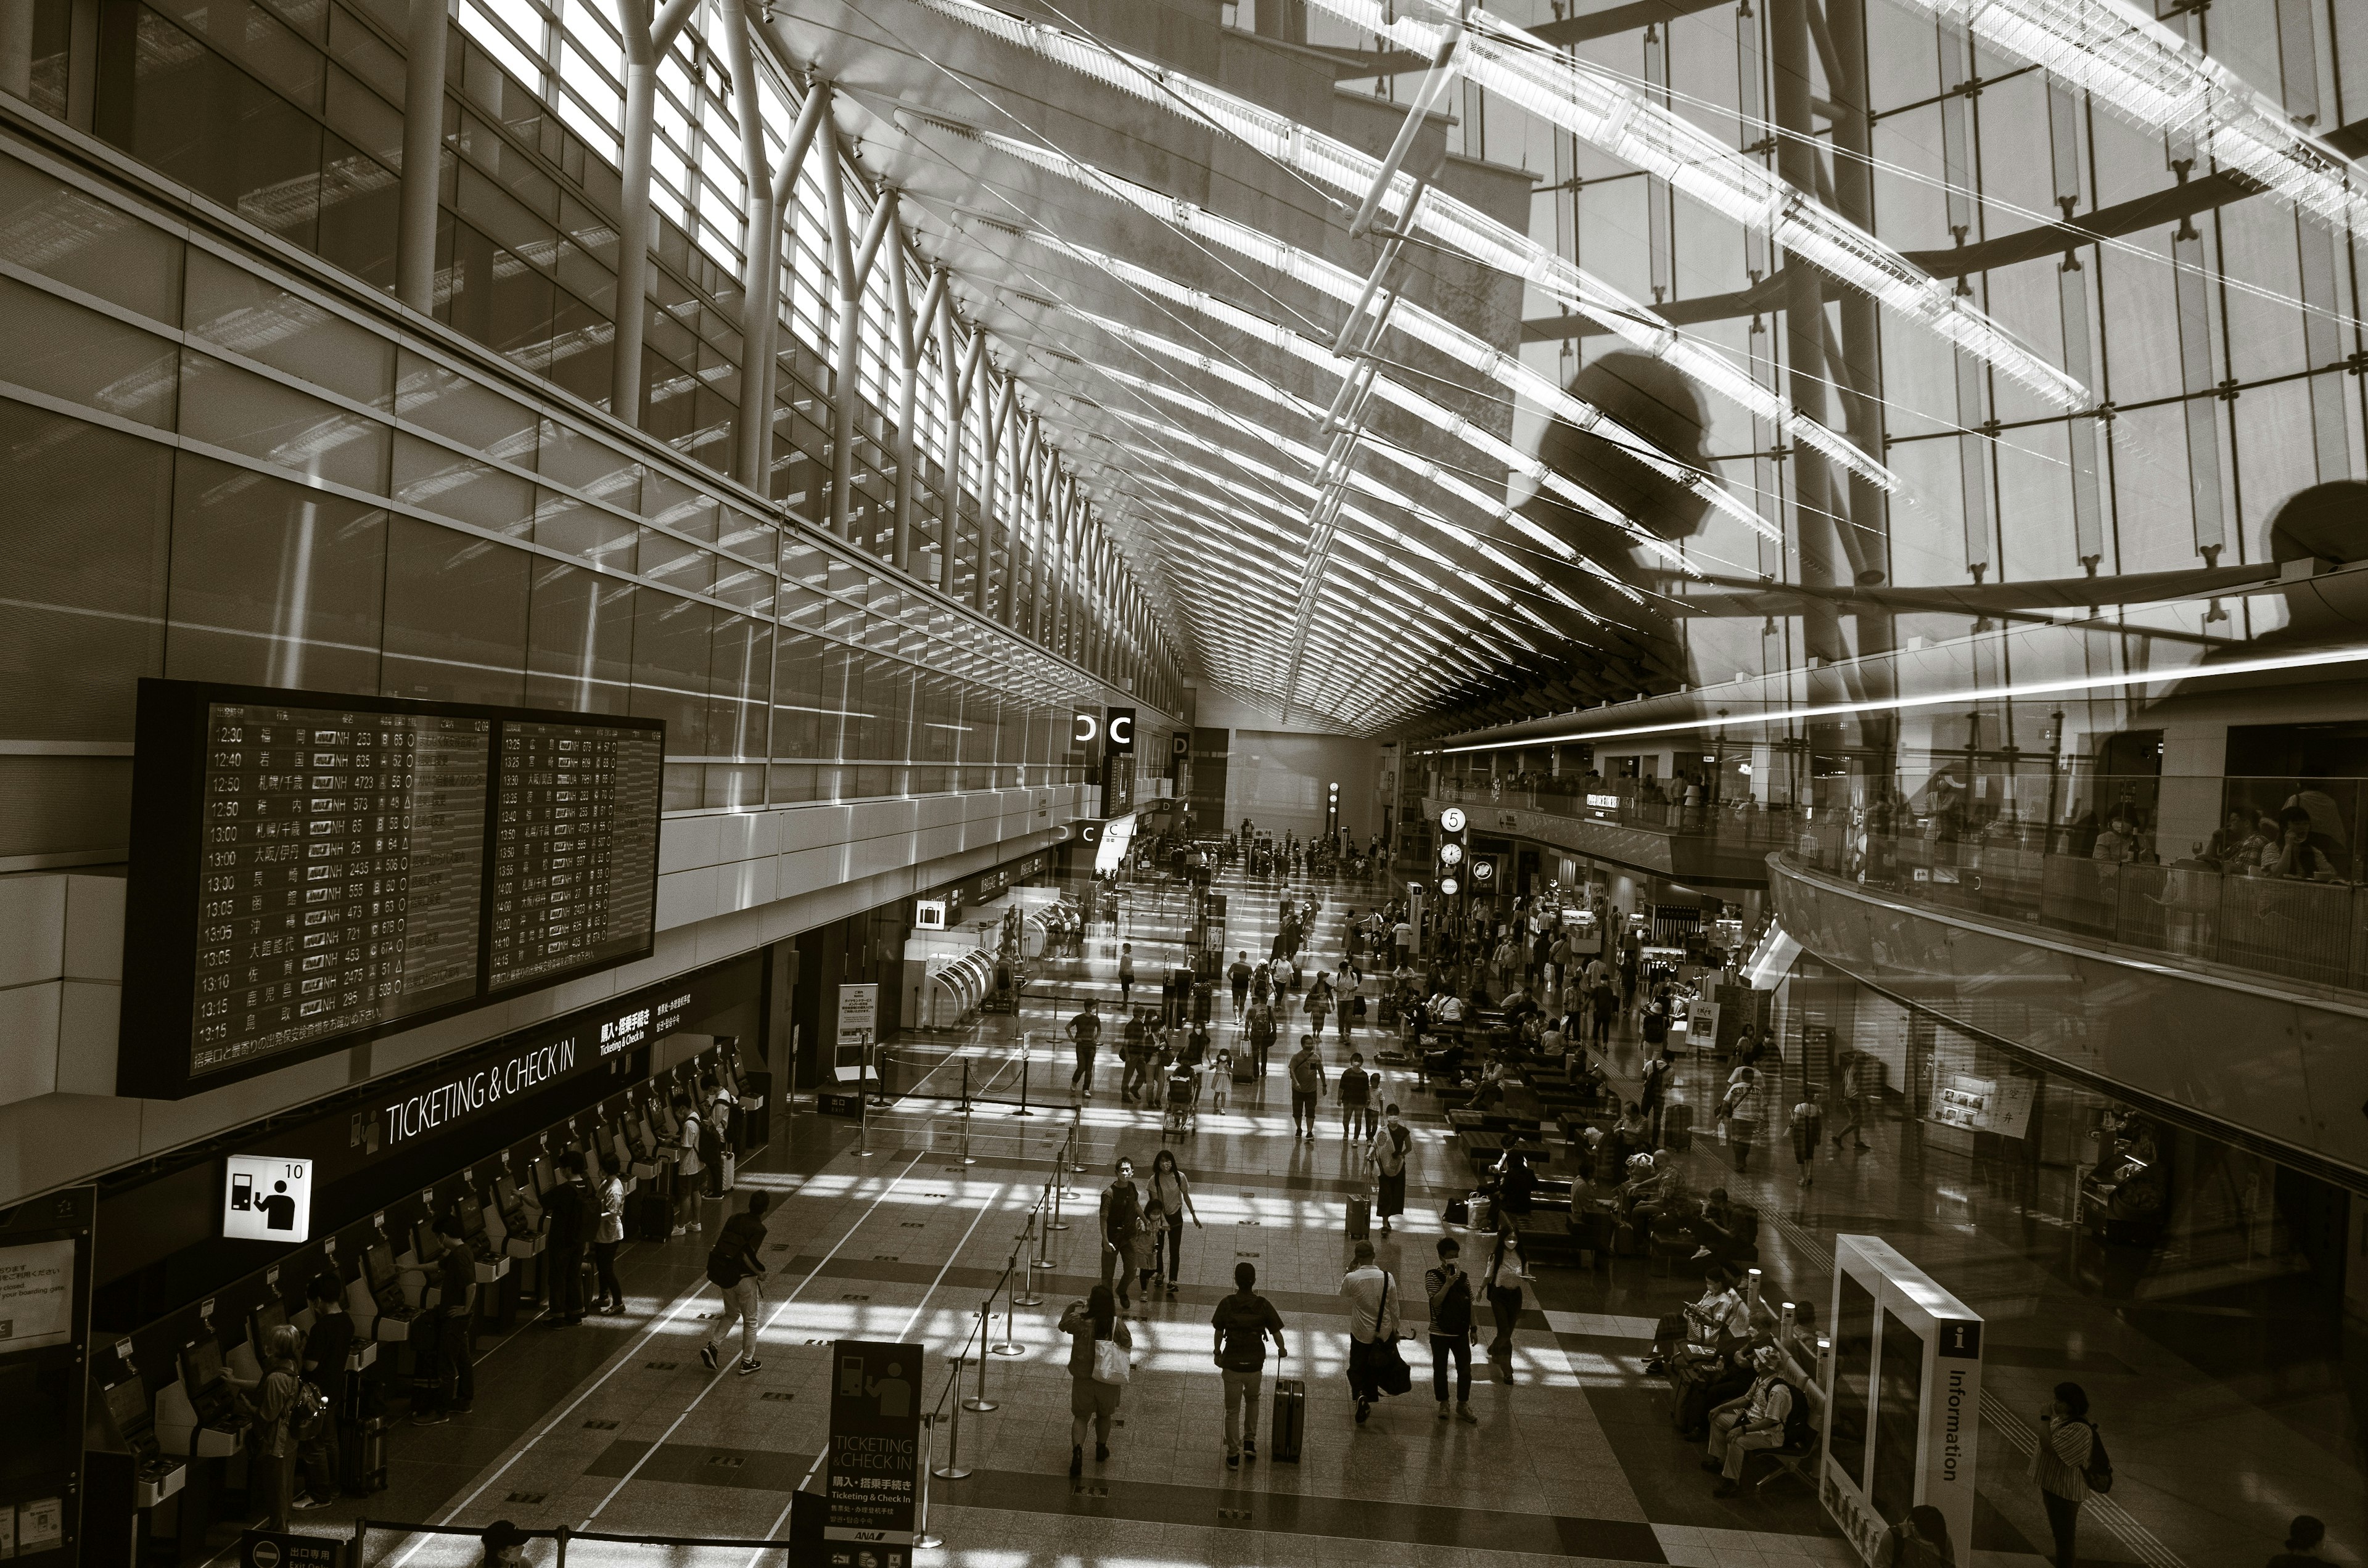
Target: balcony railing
pixel 1743 826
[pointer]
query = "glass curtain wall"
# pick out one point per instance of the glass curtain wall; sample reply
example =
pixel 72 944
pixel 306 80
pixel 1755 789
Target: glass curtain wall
pixel 290 114
pixel 223 474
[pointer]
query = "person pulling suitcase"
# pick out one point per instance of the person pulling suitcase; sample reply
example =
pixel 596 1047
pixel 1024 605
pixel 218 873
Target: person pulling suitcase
pixel 1243 1321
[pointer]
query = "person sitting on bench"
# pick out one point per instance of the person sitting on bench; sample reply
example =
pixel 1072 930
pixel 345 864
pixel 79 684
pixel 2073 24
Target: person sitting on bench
pixel 1704 1329
pixel 1764 1417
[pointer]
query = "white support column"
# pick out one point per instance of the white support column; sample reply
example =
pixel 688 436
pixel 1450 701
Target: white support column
pixel 752 447
pixel 646 44
pixel 912 327
pixel 766 257
pixel 853 264
pixel 1002 400
pixel 958 384
pixel 422 153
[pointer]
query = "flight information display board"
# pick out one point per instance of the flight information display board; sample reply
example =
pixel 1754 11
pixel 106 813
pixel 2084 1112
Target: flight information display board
pixel 575 847
pixel 310 870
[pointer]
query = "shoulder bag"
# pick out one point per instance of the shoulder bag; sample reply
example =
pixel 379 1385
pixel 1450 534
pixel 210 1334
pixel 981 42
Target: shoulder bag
pixel 1390 1372
pixel 1111 1364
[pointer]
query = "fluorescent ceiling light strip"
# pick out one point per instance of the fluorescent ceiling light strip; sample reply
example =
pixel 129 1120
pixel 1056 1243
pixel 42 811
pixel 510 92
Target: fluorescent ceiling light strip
pixel 1388 451
pixel 1448 218
pixel 2006 692
pixel 2150 76
pixel 1395 392
pixel 1620 119
pixel 1424 326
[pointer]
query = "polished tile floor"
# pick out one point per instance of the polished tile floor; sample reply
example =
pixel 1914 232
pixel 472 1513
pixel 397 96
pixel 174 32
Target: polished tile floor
pixel 614 1427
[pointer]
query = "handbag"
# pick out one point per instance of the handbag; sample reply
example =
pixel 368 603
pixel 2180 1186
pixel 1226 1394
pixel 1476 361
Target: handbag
pixel 1389 1368
pixel 1111 1364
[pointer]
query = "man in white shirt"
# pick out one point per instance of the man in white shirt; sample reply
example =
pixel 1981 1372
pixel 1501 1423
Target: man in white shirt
pixel 1742 1426
pixel 1372 1320
pixel 1449 1008
pixel 1701 1326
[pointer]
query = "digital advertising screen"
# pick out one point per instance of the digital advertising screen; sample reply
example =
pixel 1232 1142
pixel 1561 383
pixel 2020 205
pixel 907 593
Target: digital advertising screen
pixel 310 870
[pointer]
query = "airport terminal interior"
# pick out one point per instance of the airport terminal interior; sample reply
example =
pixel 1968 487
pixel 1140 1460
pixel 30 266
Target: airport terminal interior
pixel 1183 783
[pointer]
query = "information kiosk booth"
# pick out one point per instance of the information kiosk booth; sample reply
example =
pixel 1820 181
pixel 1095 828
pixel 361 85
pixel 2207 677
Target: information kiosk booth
pixel 1902 1397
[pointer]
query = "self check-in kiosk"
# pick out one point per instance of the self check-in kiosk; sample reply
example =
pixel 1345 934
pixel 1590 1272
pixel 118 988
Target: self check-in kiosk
pixel 1903 1396
pixel 198 1415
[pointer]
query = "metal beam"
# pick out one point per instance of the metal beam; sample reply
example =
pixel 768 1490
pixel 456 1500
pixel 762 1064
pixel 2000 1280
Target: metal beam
pixel 853 264
pixel 912 326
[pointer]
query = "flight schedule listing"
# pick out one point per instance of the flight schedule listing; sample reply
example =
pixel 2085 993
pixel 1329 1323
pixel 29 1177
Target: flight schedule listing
pixel 574 867
pixel 339 874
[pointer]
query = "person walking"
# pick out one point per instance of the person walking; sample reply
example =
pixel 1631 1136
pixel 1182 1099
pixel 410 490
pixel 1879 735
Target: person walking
pixel 607 1232
pixel 2065 1457
pixel 1093 1392
pixel 1501 1283
pixel 1747 1096
pixel 1306 1069
pixel 1121 1217
pixel 1356 1095
pixel 734 1267
pixel 1262 1033
pixel 1134 1052
pixel 1125 972
pixel 1239 975
pixel 1372 1323
pixel 1243 1322
pixel 1172 1194
pixel 1849 1080
pixel 1452 1328
pixel 503 1543
pixel 1808 1126
pixel 1319 1002
pixel 1387 1156
pixel 567 1208
pixel 1086 1035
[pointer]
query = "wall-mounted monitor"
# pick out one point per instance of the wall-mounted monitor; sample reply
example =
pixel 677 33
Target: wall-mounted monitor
pixel 311 869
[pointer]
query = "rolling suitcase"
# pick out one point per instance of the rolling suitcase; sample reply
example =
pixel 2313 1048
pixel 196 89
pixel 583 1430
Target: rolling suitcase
pixel 649 1217
pixel 1290 1420
pixel 361 1454
pixel 1244 1068
pixel 1360 1217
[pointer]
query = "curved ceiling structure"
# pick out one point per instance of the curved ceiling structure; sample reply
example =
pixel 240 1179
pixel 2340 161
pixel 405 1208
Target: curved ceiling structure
pixel 1275 330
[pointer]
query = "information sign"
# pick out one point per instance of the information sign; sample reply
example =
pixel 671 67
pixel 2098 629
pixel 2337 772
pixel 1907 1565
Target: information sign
pixel 873 1470
pixel 859 1025
pixel 266 1199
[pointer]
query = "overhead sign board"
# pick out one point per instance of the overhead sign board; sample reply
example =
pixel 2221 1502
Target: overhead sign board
pixel 1118 728
pixel 267 1198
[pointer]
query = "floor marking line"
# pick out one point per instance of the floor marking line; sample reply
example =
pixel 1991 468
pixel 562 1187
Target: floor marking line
pixel 775 1316
pixel 648 1334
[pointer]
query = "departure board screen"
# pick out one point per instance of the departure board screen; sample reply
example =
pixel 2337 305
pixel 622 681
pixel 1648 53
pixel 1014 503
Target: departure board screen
pixel 338 873
pixel 575 847
pixel 311 870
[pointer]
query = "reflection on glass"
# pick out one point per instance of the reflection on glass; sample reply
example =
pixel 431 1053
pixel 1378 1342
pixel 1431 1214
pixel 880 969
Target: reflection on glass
pixel 1854 1373
pixel 1897 1413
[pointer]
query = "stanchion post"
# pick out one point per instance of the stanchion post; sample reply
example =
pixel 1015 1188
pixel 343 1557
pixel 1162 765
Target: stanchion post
pixel 863 1100
pixel 1009 1345
pixel 951 1469
pixel 1057 1223
pixel 967 1158
pixel 979 1401
pixel 923 1541
pixel 1024 1056
pixel 1029 1295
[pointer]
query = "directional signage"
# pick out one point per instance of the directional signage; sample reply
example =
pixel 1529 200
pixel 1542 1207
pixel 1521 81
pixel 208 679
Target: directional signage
pixel 268 1200
pixel 1118 725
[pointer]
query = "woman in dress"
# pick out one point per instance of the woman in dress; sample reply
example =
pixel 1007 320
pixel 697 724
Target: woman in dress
pixel 1387 1156
pixel 1091 1400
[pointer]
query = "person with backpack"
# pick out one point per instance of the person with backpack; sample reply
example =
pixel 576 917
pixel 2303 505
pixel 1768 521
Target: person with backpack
pixel 734 1267
pixel 688 1165
pixel 1387 1156
pixel 567 1206
pixel 1306 1069
pixel 2069 1463
pixel 272 1417
pixel 1243 1320
pixel 1772 1415
pixel 1098 1346
pixel 1920 1541
pixel 1262 1032
pixel 1452 1328
pixel 1747 1094
pixel 1121 1218
pixel 326 1344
